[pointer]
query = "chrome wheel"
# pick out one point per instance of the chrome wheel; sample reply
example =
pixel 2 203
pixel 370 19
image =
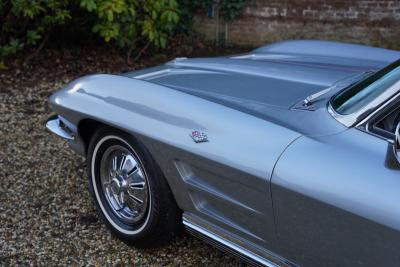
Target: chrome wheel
pixel 124 184
pixel 130 192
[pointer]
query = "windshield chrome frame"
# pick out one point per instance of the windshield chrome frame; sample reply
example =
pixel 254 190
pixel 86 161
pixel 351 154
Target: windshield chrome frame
pixel 367 111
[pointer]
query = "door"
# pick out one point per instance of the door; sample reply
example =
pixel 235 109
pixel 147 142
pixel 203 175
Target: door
pixel 336 198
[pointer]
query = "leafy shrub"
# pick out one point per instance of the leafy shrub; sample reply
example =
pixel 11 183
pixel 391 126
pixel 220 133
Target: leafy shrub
pixel 26 22
pixel 187 10
pixel 229 10
pixel 127 23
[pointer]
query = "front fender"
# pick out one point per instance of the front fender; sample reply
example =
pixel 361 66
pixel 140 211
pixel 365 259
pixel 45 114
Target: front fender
pixel 162 118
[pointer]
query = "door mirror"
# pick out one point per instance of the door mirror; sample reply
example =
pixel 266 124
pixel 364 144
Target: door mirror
pixel 396 145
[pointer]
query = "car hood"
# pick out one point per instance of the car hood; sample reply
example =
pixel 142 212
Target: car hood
pixel 265 85
pixel 277 81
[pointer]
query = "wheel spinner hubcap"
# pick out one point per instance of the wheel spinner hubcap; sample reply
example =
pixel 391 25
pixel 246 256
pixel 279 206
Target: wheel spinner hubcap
pixel 124 184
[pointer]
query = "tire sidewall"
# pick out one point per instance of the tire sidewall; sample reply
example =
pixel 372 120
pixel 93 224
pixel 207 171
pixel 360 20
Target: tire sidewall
pixel 94 155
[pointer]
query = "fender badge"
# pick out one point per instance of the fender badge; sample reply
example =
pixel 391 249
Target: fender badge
pixel 198 136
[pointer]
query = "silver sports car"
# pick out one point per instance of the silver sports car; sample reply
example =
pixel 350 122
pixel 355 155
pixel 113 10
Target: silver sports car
pixel 285 156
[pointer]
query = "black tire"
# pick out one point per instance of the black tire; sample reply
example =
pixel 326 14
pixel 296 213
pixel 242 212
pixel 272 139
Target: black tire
pixel 162 220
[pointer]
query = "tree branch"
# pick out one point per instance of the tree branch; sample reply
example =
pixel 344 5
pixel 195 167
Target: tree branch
pixel 36 52
pixel 142 50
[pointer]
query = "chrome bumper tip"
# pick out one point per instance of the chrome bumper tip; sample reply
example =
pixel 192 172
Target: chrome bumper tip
pixel 56 126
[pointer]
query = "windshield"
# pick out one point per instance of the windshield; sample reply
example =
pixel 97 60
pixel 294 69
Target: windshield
pixel 355 98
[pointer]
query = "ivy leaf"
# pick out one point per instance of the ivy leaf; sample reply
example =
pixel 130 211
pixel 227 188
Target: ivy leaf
pixel 110 15
pixel 32 37
pixel 163 41
pixel 89 5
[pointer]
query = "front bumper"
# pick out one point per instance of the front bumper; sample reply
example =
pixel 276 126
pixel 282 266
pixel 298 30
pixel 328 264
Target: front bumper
pixel 68 131
pixel 59 126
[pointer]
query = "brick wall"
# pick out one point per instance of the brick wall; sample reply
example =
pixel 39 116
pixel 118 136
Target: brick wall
pixel 363 21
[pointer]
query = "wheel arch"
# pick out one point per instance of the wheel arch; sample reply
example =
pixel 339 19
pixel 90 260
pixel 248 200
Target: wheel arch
pixel 87 128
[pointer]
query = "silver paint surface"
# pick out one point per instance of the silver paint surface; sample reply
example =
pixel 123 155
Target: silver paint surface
pixel 341 198
pixel 273 175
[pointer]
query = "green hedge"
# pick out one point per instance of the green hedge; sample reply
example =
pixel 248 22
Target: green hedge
pixel 127 24
pixel 28 23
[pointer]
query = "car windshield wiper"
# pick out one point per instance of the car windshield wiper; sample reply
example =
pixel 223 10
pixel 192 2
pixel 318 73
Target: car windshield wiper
pixel 309 100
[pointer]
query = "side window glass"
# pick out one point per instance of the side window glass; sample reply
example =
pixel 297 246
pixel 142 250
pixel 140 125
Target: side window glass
pixel 385 124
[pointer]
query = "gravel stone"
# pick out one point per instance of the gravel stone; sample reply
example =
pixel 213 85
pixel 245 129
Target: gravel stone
pixel 47 217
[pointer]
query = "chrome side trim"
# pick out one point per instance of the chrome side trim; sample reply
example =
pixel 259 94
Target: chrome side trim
pixel 224 243
pixel 57 126
pixel 366 129
pixel 365 124
pixel 152 74
pixel 157 74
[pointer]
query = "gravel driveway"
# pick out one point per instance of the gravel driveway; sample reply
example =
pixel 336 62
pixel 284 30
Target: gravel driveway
pixel 46 214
